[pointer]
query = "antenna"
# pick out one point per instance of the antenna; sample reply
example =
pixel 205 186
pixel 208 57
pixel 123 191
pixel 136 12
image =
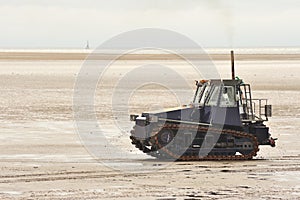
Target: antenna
pixel 232 65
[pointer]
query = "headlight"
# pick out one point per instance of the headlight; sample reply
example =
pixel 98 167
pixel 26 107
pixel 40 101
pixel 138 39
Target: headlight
pixel 133 117
pixel 153 118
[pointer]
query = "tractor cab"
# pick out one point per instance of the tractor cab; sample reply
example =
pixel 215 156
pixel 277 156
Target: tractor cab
pixel 233 98
pixel 216 93
pixel 229 103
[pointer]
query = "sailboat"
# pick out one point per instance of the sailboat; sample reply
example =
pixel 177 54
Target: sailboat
pixel 87 45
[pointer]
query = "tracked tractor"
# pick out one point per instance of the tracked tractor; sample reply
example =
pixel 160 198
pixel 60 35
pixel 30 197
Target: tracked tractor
pixel 223 122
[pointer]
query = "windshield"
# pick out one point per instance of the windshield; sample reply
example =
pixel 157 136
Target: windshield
pixel 210 95
pixel 201 94
pixel 213 97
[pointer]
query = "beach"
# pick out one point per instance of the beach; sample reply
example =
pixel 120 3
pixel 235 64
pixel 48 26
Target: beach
pixel 43 157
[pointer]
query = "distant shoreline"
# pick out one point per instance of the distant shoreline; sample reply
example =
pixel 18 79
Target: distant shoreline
pixel 10 56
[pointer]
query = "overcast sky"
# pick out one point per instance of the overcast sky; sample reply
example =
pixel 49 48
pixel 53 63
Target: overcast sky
pixel 211 23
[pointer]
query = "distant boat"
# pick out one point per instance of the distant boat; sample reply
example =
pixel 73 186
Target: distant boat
pixel 87 45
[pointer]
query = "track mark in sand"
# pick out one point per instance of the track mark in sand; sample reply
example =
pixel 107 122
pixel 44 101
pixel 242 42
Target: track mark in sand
pixel 55 176
pixel 65 175
pixel 159 193
pixel 227 170
pixel 214 193
pixel 244 186
pixel 194 196
pixel 54 173
pixel 185 170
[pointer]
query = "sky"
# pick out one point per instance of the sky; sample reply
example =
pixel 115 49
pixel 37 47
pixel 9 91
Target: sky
pixel 211 23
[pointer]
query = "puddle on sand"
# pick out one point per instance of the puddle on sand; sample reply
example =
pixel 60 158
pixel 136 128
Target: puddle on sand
pixel 10 192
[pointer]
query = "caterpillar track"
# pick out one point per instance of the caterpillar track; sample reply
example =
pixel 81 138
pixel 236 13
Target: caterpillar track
pixel 154 146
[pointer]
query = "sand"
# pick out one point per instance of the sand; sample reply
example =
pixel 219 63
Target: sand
pixel 42 156
pixel 23 55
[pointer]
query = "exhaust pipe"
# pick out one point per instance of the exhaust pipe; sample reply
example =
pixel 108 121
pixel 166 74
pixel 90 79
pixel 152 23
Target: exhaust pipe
pixel 232 65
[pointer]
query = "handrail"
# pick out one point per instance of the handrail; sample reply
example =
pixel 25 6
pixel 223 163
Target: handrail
pixel 258 105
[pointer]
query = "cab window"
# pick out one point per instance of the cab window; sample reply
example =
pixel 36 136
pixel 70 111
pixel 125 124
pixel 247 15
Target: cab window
pixel 228 97
pixel 213 97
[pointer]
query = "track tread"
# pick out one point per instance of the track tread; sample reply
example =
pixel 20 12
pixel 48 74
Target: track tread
pixel 164 153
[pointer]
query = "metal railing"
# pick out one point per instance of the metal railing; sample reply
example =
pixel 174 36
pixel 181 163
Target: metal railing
pixel 259 109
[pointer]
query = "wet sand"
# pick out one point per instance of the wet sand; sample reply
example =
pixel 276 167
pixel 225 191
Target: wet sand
pixel 42 156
